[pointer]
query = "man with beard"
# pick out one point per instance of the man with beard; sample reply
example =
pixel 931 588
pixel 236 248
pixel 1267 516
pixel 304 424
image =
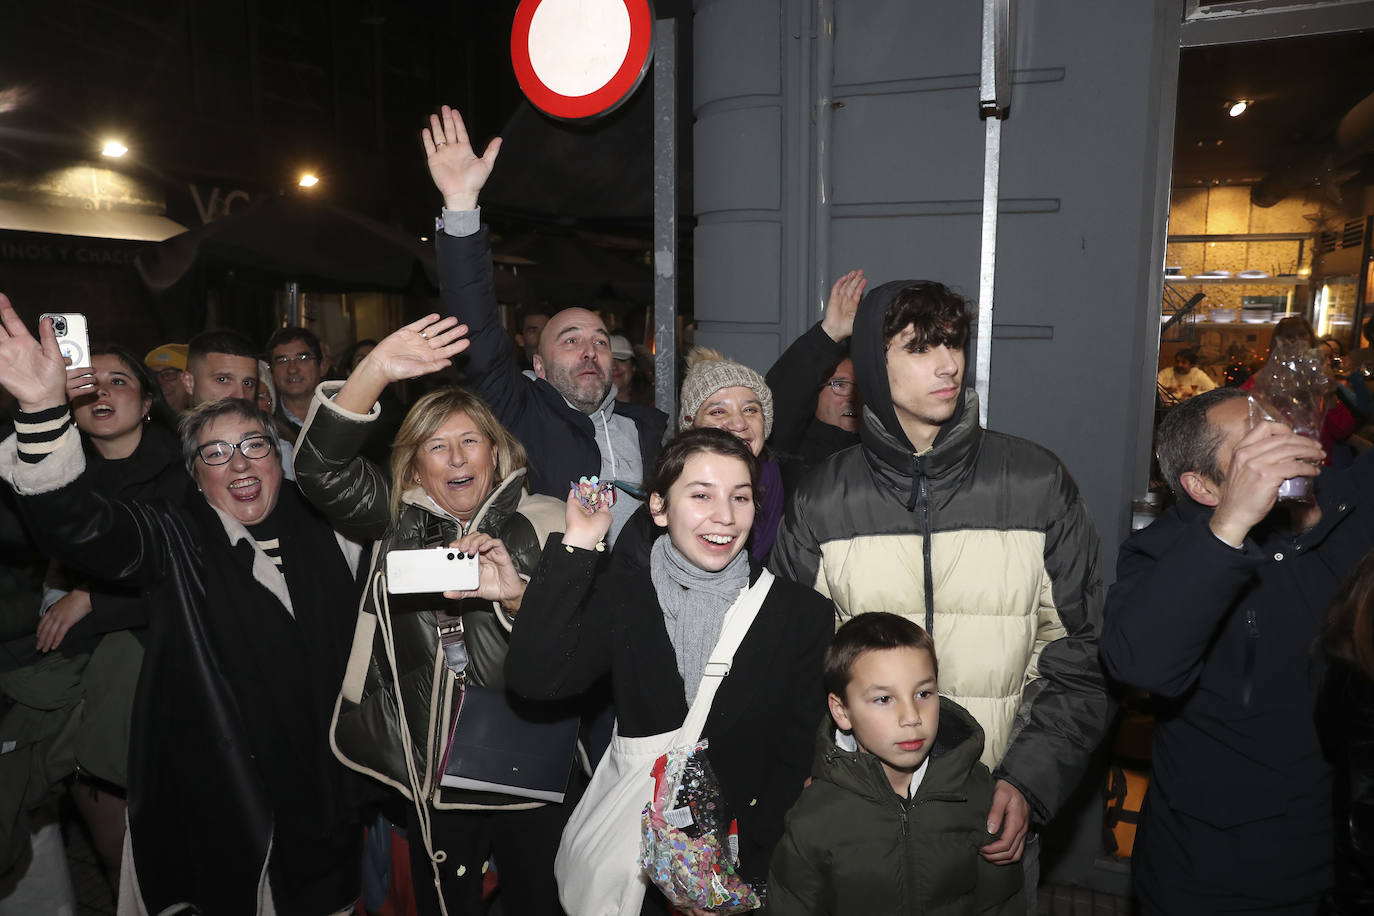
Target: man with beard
pixel 1184 379
pixel 567 416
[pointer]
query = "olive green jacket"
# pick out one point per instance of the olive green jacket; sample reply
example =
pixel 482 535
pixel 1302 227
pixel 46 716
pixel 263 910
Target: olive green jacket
pixel 853 846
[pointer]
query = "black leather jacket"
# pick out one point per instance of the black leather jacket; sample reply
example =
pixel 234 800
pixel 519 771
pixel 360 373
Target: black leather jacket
pixel 355 495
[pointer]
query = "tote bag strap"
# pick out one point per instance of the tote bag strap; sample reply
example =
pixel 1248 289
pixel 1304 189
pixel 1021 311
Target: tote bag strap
pixel 737 622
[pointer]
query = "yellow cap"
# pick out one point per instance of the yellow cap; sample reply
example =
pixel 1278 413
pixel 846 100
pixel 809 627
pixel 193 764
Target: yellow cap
pixel 167 356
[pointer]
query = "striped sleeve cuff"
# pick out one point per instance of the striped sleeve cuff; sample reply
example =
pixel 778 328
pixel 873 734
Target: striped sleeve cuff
pixel 37 434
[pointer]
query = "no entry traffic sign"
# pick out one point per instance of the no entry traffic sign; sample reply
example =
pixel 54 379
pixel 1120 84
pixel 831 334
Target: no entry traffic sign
pixel 581 58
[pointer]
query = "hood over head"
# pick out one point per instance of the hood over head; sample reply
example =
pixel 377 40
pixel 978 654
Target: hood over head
pixel 869 352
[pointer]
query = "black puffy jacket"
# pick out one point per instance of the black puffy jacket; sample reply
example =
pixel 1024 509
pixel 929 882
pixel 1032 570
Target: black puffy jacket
pixel 356 496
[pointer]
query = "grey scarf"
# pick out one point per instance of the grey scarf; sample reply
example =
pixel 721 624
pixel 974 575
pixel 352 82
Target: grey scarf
pixel 694 603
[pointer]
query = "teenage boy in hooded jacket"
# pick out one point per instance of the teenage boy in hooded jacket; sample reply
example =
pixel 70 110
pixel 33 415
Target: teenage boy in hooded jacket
pixel 980 537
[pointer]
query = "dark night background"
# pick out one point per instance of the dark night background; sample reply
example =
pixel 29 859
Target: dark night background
pixel 226 102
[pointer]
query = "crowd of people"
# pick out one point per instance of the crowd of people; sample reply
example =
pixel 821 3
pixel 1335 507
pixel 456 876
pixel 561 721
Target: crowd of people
pixel 883 625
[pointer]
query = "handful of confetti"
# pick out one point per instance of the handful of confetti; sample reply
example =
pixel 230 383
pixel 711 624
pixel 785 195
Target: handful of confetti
pixel 690 845
pixel 593 493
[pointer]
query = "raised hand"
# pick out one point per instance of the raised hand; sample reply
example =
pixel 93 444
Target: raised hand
pixel 585 529
pixel 842 305
pixel 499 580
pixel 419 348
pixel 34 371
pixel 458 172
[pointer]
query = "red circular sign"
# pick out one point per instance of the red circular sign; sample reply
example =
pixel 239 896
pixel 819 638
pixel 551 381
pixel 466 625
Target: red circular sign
pixel 593 65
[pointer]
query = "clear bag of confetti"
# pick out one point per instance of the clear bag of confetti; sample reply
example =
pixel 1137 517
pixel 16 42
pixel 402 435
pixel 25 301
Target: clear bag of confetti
pixel 690 843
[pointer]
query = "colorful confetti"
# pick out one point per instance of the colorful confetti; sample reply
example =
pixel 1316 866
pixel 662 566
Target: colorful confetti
pixel 593 493
pixel 691 846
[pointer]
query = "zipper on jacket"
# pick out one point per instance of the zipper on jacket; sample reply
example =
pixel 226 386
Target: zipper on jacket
pixel 1251 650
pixel 908 862
pixel 922 494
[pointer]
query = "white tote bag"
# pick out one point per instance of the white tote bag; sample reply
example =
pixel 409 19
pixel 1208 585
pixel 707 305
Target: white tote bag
pixel 598 858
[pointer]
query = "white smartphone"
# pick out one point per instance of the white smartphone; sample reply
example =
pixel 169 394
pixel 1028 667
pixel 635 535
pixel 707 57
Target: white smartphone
pixel 432 569
pixel 72 336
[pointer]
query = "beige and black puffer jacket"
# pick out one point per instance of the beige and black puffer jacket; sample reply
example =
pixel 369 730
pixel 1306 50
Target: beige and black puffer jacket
pixel 983 540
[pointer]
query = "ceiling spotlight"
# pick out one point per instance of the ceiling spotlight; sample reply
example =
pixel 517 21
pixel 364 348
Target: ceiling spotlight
pixel 114 149
pixel 308 181
pixel 1237 108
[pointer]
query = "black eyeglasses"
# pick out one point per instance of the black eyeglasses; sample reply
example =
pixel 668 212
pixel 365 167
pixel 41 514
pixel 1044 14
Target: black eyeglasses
pixel 219 452
pixel 297 358
pixel 840 386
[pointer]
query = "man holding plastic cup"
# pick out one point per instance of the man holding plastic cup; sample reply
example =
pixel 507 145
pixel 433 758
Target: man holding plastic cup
pixel 1214 611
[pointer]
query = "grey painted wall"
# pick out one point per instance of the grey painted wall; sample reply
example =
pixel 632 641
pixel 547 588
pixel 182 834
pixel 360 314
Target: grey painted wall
pixel 1083 192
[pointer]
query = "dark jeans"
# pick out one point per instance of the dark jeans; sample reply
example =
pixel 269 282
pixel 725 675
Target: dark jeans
pixel 523 842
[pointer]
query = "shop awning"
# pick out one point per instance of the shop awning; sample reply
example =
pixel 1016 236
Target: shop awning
pixel 21 216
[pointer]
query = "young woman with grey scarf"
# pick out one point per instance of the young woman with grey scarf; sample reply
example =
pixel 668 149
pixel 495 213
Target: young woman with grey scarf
pixel 583 616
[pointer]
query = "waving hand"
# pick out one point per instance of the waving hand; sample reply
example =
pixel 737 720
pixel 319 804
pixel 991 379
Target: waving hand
pixel 34 371
pixel 416 349
pixel 458 172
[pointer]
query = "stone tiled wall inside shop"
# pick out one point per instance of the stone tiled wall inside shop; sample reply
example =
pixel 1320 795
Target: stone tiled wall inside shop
pixel 1228 211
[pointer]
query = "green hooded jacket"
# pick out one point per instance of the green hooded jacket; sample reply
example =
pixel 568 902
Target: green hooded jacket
pixel 853 846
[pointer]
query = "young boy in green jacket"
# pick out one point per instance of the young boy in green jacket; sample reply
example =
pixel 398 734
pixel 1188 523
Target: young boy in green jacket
pixel 898 804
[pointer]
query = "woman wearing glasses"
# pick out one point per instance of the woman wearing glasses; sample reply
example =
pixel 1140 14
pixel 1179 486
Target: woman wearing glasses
pixel 236 804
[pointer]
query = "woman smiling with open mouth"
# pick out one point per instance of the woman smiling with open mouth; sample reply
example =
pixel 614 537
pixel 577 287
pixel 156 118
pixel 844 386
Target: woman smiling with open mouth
pixel 653 630
pixel 236 805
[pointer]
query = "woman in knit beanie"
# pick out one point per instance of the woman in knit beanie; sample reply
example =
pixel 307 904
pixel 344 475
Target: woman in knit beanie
pixel 722 393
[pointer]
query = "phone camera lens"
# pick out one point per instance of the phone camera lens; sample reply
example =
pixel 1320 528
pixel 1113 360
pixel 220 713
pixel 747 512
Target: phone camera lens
pixel 450 556
pixel 59 326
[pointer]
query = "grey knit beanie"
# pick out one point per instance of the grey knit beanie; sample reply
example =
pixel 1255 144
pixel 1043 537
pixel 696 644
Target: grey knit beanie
pixel 708 372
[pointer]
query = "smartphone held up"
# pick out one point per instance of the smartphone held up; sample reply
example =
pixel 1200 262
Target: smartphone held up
pixel 72 336
pixel 431 569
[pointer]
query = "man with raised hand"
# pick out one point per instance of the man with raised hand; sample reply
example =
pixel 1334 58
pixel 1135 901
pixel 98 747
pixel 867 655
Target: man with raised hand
pixel 567 417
